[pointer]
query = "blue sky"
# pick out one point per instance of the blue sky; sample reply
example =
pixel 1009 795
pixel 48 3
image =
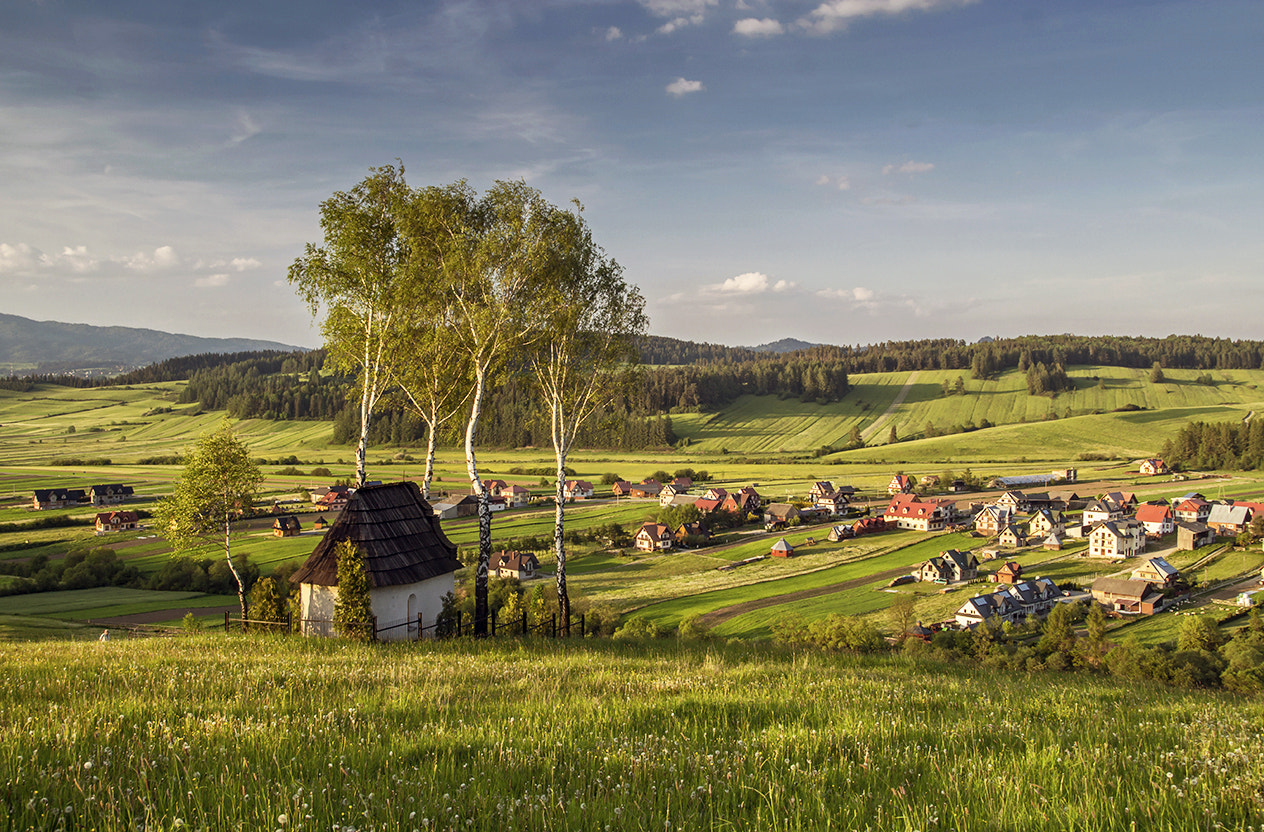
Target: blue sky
pixel 845 172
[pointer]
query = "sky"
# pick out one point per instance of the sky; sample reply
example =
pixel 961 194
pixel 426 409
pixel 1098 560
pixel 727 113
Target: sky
pixel 843 172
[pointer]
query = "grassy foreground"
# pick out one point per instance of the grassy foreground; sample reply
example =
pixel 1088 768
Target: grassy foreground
pixel 241 732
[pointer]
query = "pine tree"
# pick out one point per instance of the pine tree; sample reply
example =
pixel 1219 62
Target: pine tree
pixel 353 610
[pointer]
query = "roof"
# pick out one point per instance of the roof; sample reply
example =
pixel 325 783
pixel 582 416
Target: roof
pixel 782 545
pixel 1162 567
pixel 1229 515
pixel 1148 513
pixel 1122 587
pixel 395 530
pixel 517 561
pixel 655 530
pixel 1026 479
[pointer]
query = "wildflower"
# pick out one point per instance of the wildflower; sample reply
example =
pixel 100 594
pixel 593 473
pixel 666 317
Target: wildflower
pixel 283 819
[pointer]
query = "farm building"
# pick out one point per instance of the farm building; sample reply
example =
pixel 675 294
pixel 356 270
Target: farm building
pixel 450 508
pixel 782 549
pixel 408 561
pixel 1194 535
pixel 1127 596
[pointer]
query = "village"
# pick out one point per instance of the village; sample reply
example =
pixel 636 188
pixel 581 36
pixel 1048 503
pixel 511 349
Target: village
pixel 1128 539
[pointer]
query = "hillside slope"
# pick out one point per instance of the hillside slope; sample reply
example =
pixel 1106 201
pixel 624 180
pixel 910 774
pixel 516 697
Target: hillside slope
pixel 52 346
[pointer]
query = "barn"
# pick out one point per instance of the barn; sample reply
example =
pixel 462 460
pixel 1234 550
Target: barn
pixel 408 560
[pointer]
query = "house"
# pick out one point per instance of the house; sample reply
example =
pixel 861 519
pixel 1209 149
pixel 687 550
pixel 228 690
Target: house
pixel 1101 511
pixel 408 561
pixel 1012 500
pixel 110 495
pixel 1043 501
pixel 1194 535
pixel 991 519
pixel 495 487
pixel 1227 521
pixel 838 533
pixel 117 521
pixel 1052 543
pixel 907 511
pixel 715 493
pixel 832 504
pixel 1126 500
pixel 929 481
pixel 647 489
pixel 820 489
pixel 1045 522
pixel 49 498
pixel 621 488
pixel 1012 537
pixel 779 514
pixel 1153 467
pixel 900 484
pixel 449 508
pixel 1116 540
pixel 670 492
pixel 335 499
pixel 869 525
pixel 515 496
pixel 949 567
pixel 286 525
pixel 1013 604
pixel 1156 571
pixel 689 531
pixel 1069 499
pixel 1065 474
pixel 520 565
pixel 1128 596
pixel 1009 573
pixel 1192 509
pixel 319 524
pixel 782 549
pixel 654 537
pixel 682 484
pixel 577 490
pixel 706 505
pixel 745 501
pixel 1156 519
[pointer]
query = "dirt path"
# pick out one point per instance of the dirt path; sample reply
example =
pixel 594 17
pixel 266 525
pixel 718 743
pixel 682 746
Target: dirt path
pixel 723 614
pixel 886 414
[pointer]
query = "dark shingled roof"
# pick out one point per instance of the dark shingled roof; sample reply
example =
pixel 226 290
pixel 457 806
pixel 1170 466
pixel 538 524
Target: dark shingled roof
pixel 395 530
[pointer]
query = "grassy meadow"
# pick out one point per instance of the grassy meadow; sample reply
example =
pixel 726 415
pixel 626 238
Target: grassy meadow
pixel 257 732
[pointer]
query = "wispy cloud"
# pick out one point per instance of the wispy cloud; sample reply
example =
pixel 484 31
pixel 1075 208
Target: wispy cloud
pixel 246 128
pixel 682 86
pixel 161 258
pixel 17 258
pixel 680 13
pixel 614 33
pixel 752 27
pixel 837 14
pixel 909 167
pixel 843 183
pixel 211 281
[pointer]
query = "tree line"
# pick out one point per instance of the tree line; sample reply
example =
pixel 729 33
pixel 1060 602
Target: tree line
pixel 1221 445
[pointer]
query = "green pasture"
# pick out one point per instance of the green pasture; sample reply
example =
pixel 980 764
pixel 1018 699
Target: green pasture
pixel 267 732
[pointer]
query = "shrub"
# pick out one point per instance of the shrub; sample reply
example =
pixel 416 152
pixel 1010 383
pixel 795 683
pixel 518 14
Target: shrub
pixel 638 629
pixel 353 611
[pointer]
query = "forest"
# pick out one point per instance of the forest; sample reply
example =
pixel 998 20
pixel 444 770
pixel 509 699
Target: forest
pixel 1222 445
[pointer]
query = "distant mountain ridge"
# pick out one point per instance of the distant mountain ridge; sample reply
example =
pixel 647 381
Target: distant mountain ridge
pixel 53 346
pixel 784 345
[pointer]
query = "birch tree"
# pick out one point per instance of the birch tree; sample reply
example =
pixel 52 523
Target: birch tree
pixel 357 277
pixel 219 483
pixel 589 318
pixel 490 254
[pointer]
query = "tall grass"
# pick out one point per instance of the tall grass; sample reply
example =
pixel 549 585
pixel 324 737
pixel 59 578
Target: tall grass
pixel 228 732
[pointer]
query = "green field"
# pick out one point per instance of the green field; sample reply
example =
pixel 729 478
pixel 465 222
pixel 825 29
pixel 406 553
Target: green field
pixel 262 732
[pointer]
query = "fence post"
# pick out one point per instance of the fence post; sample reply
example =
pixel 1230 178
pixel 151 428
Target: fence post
pixel 524 622
pixel 582 631
pixel 554 625
pixel 289 622
pixel 375 628
pixel 225 621
pixel 419 626
pixel 458 623
pixel 493 625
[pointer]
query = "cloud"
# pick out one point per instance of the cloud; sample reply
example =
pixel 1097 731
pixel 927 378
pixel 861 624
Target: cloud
pixel 859 294
pixel 246 128
pixel 679 23
pixel 243 263
pixel 677 8
pixel 842 183
pixel 681 87
pixel 211 281
pixel 909 167
pixel 613 33
pixel 17 258
pixel 755 28
pixel 836 14
pixel 750 283
pixel 75 258
pixel 163 257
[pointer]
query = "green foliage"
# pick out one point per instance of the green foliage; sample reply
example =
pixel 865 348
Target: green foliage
pixel 638 628
pixel 353 609
pixel 692 628
pixel 266 604
pixel 190 623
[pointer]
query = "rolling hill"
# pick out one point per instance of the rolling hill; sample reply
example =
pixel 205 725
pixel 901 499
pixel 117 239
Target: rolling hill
pixel 52 346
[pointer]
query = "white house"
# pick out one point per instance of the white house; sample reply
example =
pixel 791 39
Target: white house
pixel 407 559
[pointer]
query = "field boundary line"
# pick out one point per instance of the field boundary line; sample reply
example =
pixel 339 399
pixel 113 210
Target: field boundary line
pixel 886 414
